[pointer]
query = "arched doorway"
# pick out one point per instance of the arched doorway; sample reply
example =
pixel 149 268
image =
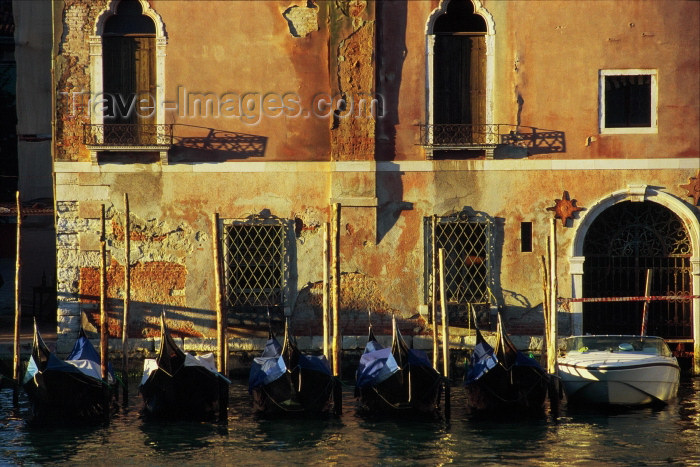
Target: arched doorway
pixel 621 244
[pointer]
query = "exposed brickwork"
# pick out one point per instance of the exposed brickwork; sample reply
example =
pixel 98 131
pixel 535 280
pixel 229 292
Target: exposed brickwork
pixel 72 76
pixel 154 286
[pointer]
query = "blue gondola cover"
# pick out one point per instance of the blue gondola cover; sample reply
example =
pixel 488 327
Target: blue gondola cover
pixel 482 361
pixel 376 365
pixel 315 363
pixel 268 367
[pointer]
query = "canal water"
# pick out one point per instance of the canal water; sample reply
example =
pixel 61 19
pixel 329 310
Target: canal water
pixel 646 436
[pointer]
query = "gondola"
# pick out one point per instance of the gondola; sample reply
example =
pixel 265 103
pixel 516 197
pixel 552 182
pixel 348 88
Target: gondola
pixel 70 390
pixel 396 380
pixel 503 380
pixel 178 385
pixel 285 382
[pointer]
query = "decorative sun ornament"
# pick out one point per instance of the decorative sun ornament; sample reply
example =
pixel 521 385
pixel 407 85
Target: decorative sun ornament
pixel 564 208
pixel 693 188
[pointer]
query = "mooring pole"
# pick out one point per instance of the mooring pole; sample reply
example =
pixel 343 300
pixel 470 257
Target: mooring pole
pixel 18 305
pixel 552 338
pixel 335 266
pixel 326 317
pixel 433 304
pixel 221 320
pixel 552 341
pixel 221 324
pixel 127 299
pixel 335 260
pixel 103 298
pixel 445 334
pixel 645 309
pixel 545 306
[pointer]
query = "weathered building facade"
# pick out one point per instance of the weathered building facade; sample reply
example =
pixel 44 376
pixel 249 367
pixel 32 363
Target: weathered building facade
pixel 487 117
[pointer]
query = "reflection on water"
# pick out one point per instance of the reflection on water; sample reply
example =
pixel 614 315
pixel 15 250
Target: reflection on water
pixel 640 436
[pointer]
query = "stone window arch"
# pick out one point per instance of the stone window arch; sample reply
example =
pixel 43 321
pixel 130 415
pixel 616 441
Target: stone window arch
pixel 108 24
pixel 455 26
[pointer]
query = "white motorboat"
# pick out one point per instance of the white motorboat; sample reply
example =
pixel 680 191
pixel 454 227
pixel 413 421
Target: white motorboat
pixel 618 370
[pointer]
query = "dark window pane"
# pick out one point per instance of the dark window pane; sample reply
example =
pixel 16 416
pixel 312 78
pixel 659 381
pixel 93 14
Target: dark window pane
pixel 526 237
pixel 627 101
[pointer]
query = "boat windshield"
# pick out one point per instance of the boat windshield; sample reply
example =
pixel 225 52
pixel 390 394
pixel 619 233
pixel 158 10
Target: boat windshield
pixel 636 344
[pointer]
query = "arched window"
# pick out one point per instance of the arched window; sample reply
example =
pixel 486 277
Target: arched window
pixel 459 66
pixel 128 66
pixel 460 42
pixel 127 74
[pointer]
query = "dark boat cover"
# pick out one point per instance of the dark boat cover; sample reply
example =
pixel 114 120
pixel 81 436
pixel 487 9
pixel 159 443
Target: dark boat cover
pixel 503 379
pixel 397 380
pixel 67 390
pixel 285 381
pixel 177 385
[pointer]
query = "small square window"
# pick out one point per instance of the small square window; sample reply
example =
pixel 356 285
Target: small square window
pixel 628 100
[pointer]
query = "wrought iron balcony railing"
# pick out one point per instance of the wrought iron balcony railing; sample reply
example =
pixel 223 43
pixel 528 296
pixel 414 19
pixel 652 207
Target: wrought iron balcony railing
pixel 459 136
pixel 128 135
pixel 452 136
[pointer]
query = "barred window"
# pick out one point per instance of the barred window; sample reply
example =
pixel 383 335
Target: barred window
pixel 254 264
pixel 467 243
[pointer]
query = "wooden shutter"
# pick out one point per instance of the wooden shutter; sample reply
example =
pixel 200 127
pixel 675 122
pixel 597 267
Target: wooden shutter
pixel 460 79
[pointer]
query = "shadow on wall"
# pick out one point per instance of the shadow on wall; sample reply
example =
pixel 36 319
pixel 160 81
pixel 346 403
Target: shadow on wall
pixel 391 53
pixel 390 203
pixel 144 318
pixel 359 296
pixel 530 141
pixel 212 145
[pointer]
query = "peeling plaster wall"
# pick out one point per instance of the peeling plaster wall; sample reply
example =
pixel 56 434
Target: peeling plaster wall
pixel 71 75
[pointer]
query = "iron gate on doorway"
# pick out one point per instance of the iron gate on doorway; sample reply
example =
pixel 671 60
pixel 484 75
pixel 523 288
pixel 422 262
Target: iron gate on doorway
pixel 621 245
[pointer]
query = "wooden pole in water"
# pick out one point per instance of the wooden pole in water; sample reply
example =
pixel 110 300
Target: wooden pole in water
pixel 545 306
pixel 433 304
pixel 445 334
pixel 335 266
pixel 221 320
pixel 221 324
pixel 645 309
pixel 552 341
pixel 326 317
pixel 127 299
pixel 552 334
pixel 103 298
pixel 335 252
pixel 18 304
pixel 445 325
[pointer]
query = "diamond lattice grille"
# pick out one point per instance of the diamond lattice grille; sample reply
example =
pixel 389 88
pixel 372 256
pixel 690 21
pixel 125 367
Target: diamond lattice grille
pixel 254 265
pixel 467 259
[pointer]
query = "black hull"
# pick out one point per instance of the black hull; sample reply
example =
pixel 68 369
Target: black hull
pixel 192 393
pixel 399 397
pixel 500 392
pixel 69 397
pixel 284 398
